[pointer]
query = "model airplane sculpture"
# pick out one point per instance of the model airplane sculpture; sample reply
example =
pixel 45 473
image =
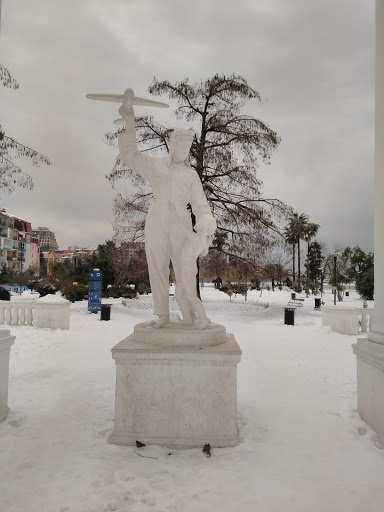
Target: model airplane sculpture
pixel 120 98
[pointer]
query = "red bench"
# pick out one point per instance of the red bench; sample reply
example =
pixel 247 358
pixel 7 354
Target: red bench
pixel 132 295
pixel 296 302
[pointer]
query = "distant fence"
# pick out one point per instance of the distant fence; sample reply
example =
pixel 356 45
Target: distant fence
pixel 15 288
pixel 39 314
pixel 347 320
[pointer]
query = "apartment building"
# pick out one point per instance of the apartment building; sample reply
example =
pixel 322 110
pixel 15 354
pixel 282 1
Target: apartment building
pixel 129 249
pixel 47 239
pixel 19 249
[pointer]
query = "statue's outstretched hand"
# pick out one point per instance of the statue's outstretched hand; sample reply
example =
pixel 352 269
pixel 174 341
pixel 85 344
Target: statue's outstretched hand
pixel 126 109
pixel 128 97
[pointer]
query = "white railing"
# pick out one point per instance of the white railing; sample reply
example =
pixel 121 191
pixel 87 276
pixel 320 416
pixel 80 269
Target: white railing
pixel 32 312
pixel 347 320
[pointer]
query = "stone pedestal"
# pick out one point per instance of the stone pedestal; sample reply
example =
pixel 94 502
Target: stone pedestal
pixel 370 384
pixel 51 315
pixel 177 394
pixel 6 341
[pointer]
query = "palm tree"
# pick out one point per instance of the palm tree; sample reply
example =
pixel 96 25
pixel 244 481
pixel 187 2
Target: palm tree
pixel 291 238
pixel 297 224
pixel 310 232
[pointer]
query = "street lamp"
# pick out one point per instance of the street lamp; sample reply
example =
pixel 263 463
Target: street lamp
pixel 334 277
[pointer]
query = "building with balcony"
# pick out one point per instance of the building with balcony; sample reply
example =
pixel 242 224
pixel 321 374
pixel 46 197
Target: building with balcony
pixel 19 250
pixel 129 249
pixel 47 239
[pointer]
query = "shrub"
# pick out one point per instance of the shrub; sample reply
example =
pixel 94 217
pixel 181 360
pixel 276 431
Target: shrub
pixel 217 282
pixel 46 289
pixel 255 283
pixel 143 288
pixel 228 289
pixel 365 284
pixel 4 294
pixel 113 292
pixel 78 290
pixel 239 288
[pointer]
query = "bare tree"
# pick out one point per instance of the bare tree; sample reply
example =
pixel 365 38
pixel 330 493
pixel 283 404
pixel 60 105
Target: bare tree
pixel 11 174
pixel 226 151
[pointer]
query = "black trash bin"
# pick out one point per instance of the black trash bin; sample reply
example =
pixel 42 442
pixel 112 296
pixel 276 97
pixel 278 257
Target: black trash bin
pixel 72 297
pixel 317 303
pixel 105 312
pixel 289 316
pixel 293 295
pixel 347 294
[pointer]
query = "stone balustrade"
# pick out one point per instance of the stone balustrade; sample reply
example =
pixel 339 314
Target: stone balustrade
pixel 49 315
pixel 347 320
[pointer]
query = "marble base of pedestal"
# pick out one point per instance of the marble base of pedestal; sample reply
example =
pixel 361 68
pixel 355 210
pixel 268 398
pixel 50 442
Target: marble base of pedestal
pixel 176 396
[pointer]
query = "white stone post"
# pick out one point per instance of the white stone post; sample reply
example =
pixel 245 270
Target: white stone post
pixel 370 351
pixel 176 387
pixel 6 341
pixel 51 315
pixel 377 333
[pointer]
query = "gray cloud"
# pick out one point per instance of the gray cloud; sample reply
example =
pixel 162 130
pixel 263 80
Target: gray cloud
pixel 313 62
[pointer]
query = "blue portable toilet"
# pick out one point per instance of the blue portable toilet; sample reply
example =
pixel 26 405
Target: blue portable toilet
pixel 95 290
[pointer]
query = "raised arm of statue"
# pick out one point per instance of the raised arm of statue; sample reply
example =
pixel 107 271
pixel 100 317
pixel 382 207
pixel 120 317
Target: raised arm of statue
pixel 129 152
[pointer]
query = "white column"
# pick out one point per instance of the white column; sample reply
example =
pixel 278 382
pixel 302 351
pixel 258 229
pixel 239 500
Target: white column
pixel 377 333
pixel 370 352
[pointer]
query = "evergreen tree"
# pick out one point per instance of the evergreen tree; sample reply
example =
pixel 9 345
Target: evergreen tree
pixel 296 227
pixel 353 262
pixel 310 231
pixel 314 264
pixel 365 283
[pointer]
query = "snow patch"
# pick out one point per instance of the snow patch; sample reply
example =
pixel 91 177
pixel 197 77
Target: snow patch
pixel 52 299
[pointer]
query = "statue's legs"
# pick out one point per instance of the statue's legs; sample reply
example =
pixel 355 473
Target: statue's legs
pixel 157 251
pixel 184 304
pixel 184 265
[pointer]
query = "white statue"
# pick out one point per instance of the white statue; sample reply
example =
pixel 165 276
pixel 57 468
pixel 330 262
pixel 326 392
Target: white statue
pixel 195 245
pixel 168 227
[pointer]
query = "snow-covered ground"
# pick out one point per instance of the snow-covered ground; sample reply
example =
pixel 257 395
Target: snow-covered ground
pixel 303 445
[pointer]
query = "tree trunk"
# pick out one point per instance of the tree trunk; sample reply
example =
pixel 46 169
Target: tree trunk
pixel 298 261
pixel 293 264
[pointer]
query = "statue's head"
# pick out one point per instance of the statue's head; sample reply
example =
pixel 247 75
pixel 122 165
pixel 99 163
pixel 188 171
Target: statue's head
pixel 180 143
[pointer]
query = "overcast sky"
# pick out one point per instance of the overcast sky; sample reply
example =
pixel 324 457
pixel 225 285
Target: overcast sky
pixel 313 62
